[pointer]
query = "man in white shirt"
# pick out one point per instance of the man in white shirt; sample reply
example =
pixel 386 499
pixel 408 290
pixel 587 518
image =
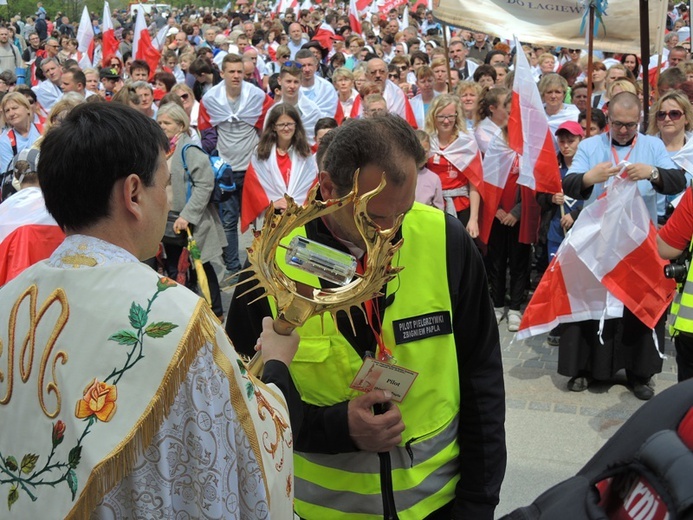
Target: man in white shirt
pixel 48 91
pixel 315 88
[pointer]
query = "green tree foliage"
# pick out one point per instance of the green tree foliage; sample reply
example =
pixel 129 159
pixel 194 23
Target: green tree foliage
pixel 71 8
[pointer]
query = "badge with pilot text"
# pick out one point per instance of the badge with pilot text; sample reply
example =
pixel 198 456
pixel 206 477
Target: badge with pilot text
pixel 377 375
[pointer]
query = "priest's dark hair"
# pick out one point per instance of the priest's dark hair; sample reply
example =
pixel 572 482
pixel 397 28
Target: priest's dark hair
pixel 81 160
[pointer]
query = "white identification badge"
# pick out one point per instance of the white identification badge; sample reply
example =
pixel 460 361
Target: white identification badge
pixel 376 375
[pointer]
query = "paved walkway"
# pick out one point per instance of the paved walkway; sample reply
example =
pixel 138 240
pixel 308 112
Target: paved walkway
pixel 552 432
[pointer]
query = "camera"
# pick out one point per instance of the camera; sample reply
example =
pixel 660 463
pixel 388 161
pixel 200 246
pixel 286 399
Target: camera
pixel 677 270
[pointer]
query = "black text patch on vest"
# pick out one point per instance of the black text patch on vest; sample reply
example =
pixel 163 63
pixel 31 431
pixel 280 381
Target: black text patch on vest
pixel 422 327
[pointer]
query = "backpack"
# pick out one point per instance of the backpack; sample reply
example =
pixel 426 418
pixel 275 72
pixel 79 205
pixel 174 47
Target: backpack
pixel 224 185
pixel 6 188
pixel 643 472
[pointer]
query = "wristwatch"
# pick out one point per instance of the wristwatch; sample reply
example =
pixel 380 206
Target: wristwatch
pixel 654 174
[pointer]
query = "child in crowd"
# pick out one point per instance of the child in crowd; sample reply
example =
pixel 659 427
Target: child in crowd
pixel 429 189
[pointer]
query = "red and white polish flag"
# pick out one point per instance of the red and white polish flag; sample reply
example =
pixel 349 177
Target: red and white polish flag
pixel 355 17
pixel 28 233
pixel 142 46
pixel 497 165
pixel 608 259
pixel 85 40
pixel 109 42
pixel 529 133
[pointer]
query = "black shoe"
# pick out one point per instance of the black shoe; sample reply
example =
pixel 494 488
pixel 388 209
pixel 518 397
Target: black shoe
pixel 578 384
pixel 643 391
pixel 553 341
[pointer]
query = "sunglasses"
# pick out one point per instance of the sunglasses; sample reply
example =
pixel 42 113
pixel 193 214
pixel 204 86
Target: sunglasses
pixel 618 125
pixel 184 96
pixel 393 75
pixel 573 51
pixel 293 64
pixel 674 115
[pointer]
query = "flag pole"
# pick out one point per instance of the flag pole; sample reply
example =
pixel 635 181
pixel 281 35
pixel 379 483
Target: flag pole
pixel 645 57
pixel 590 67
pixel 447 57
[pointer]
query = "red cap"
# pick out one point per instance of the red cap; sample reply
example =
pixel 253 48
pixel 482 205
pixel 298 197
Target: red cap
pixel 572 128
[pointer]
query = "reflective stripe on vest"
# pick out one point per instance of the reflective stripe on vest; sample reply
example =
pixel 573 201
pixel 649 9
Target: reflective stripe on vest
pixel 330 486
pixel 682 308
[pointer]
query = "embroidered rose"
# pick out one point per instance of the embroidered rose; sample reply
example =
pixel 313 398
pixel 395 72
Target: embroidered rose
pixel 58 433
pixel 99 400
pixel 164 283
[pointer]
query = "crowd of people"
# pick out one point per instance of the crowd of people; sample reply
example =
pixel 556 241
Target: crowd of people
pixel 287 100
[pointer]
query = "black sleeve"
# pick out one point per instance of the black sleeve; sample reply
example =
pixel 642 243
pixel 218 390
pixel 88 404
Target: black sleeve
pixel 544 201
pixel 482 409
pixel 278 373
pixel 572 187
pixel 673 181
pixel 244 322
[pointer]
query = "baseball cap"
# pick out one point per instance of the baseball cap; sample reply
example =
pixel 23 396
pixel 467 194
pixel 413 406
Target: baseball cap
pixel 30 155
pixel 109 73
pixel 572 128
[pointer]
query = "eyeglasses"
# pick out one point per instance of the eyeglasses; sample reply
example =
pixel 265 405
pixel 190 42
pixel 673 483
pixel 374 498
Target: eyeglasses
pixel 619 124
pixel 284 126
pixel 393 75
pixel 293 64
pixel 401 68
pixel 674 115
pixel 442 118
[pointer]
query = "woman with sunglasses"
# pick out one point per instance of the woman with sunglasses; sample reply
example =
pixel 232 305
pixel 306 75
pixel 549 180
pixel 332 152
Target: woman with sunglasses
pixel 455 157
pixel 192 182
pixel 281 164
pixel 671 119
pixel 190 105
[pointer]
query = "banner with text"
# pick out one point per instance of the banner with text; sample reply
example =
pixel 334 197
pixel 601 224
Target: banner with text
pixel 556 22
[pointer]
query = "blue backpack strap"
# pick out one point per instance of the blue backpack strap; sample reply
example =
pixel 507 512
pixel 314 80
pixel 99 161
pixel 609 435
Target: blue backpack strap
pixel 188 178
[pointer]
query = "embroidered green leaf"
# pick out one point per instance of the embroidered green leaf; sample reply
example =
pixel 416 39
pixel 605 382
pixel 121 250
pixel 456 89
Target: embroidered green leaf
pixel 159 329
pixel 29 462
pixel 138 316
pixel 12 497
pixel 71 478
pixel 11 463
pixel 249 389
pixel 74 456
pixel 241 366
pixel 124 337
